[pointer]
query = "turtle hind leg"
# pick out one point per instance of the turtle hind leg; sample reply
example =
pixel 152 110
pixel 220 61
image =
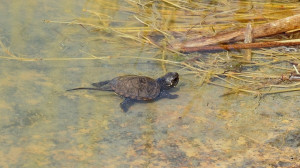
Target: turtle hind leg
pixel 126 104
pixel 100 84
pixel 104 85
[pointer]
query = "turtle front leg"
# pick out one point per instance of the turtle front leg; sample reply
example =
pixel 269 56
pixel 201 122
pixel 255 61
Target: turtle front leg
pixel 126 104
pixel 165 94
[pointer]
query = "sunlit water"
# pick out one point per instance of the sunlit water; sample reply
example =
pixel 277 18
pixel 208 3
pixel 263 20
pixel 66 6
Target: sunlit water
pixel 42 125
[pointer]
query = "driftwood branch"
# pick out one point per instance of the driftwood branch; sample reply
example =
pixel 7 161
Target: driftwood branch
pixel 241 46
pixel 275 27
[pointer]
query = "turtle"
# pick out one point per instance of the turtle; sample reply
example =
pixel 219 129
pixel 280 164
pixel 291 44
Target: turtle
pixel 137 88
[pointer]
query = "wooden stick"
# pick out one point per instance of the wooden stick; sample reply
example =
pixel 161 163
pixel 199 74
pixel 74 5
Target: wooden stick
pixel 275 27
pixel 241 46
pixel 248 39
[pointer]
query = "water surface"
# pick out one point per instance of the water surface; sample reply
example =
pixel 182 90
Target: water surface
pixel 42 125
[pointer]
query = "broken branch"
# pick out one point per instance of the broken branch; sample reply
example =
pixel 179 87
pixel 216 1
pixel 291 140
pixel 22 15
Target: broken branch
pixel 241 46
pixel 275 27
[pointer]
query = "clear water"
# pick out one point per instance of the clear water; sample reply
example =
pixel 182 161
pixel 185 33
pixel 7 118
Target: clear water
pixel 42 125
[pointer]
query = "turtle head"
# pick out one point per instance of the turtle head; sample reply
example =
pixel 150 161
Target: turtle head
pixel 169 80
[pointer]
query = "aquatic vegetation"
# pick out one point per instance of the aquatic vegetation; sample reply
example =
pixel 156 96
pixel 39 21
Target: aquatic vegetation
pixel 155 25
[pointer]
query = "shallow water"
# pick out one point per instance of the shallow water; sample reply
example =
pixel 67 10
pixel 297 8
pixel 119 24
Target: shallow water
pixel 42 125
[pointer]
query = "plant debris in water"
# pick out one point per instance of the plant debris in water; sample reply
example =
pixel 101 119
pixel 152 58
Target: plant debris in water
pixel 161 23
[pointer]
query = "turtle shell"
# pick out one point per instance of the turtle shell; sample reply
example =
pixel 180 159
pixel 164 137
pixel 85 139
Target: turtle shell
pixel 135 87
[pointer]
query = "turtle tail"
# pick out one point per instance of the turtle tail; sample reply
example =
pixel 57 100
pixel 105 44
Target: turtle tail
pixel 82 88
pixel 104 86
